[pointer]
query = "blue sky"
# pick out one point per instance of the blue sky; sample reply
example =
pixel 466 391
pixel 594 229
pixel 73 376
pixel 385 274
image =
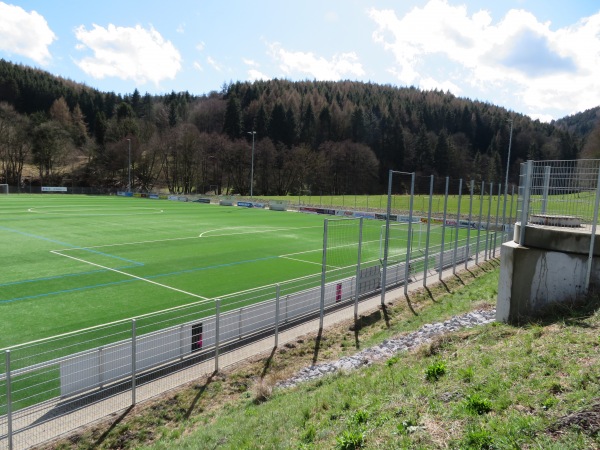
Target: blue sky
pixel 536 57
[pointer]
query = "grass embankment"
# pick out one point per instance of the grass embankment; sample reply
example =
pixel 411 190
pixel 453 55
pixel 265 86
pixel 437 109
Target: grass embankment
pixel 495 386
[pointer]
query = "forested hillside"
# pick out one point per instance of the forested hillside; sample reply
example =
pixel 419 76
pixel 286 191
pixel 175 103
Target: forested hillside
pixel 318 137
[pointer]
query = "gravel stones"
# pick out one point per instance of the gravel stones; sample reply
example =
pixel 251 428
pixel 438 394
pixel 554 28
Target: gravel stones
pixel 390 347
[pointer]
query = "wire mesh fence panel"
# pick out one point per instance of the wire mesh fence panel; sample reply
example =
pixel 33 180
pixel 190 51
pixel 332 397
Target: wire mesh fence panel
pixel 5 403
pixel 51 382
pixel 559 190
pixel 342 243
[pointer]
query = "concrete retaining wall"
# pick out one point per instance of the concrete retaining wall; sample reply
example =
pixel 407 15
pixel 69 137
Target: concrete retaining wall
pixel 549 268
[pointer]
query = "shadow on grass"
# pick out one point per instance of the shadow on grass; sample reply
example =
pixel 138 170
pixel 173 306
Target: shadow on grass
pixel 364 322
pixel 430 295
pixel 409 304
pixel 268 362
pixel 112 426
pixel 317 346
pixel 201 391
pixel 386 315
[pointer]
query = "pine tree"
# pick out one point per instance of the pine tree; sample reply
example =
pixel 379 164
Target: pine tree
pixel 233 118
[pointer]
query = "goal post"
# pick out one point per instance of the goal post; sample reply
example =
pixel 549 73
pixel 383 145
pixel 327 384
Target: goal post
pixel 3 189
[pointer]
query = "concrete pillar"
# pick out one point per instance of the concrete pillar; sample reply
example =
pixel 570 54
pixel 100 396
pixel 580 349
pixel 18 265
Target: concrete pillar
pixel 549 268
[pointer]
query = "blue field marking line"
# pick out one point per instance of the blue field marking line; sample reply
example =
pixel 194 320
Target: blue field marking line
pixel 54 277
pixel 88 287
pixel 70 246
pixel 65 291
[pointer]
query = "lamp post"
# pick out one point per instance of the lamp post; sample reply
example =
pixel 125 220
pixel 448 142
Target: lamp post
pixel 129 167
pixel 252 164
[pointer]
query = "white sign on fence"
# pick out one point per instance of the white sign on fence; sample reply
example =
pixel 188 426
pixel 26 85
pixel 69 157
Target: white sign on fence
pixel 54 189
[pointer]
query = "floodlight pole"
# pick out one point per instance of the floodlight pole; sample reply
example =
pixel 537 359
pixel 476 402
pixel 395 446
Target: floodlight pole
pixel 129 167
pixel 252 164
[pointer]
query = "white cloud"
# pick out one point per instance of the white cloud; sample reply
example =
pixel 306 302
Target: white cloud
pixel 25 33
pixel 430 84
pixel 181 28
pixel 340 66
pixel 198 66
pixel 214 64
pixel 200 46
pixel 544 68
pixel 254 75
pixel 128 53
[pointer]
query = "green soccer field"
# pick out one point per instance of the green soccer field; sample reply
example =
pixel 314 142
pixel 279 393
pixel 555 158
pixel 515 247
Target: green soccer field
pixel 72 262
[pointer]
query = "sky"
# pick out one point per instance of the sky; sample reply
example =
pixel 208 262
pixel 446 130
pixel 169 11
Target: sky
pixel 540 58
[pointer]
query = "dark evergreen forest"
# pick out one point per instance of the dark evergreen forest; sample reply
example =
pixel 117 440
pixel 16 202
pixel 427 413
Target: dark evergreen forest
pixel 309 136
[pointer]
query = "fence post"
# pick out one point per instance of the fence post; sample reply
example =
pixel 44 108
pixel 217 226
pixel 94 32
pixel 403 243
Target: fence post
pixel 468 248
pixel 409 237
pixel 277 291
pixel 525 206
pixel 487 226
pixel 512 199
pixel 133 361
pixel 387 238
pixel 504 211
pixel 457 228
pixel 426 262
pixel 323 276
pixel 360 233
pixel 546 190
pixel 217 314
pixel 479 227
pixel 9 418
pixel 593 235
pixel 443 230
pixel 497 214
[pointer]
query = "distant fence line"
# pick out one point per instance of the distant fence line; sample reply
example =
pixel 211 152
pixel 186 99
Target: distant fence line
pixel 357 202
pixel 51 387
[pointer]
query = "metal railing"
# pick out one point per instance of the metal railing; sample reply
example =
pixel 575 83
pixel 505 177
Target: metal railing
pixel 53 386
pixel 563 194
pixel 559 189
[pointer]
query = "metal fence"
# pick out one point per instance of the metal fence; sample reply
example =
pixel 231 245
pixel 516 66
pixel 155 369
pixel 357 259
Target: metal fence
pixel 553 190
pixel 560 194
pixel 53 386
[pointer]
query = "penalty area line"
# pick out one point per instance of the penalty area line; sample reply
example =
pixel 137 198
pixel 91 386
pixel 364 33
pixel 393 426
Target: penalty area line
pixel 300 260
pixel 131 275
pixel 309 262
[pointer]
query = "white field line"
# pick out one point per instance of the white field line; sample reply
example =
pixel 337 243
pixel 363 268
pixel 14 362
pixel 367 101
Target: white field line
pixel 154 241
pixel 129 243
pixel 301 253
pixel 301 260
pixel 250 232
pixel 130 275
pixel 92 211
